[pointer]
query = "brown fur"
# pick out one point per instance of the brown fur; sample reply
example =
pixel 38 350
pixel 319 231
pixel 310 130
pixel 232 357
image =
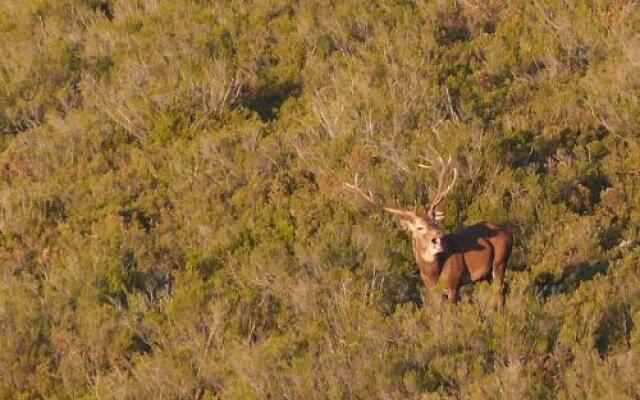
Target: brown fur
pixel 478 252
pixel 472 254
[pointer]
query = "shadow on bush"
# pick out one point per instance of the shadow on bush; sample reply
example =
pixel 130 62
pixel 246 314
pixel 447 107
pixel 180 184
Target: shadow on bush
pixel 267 100
pixel 421 378
pixel 546 284
pixel 614 328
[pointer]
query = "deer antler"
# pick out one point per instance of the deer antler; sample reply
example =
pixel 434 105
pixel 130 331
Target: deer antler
pixel 368 196
pixel 442 169
pixel 355 187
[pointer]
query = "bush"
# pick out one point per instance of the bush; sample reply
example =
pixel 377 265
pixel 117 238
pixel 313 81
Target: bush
pixel 173 222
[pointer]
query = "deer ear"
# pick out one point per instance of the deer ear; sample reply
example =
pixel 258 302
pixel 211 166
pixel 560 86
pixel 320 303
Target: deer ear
pixel 406 224
pixel 438 216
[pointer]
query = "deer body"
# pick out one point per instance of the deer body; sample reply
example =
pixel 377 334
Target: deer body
pixel 472 254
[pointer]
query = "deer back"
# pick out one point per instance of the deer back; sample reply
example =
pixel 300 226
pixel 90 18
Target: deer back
pixel 474 251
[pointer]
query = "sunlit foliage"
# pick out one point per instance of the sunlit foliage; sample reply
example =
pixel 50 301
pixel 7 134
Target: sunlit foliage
pixel 173 224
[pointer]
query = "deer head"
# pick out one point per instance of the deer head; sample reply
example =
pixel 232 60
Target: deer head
pixel 423 226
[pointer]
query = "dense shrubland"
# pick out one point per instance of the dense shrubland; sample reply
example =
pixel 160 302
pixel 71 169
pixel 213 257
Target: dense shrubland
pixel 173 225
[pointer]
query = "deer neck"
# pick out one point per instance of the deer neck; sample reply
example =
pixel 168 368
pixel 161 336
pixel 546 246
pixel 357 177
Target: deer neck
pixel 430 264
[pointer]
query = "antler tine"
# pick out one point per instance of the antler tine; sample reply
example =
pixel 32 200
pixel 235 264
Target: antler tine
pixel 430 163
pixel 368 196
pixel 441 191
pixel 443 170
pixel 355 187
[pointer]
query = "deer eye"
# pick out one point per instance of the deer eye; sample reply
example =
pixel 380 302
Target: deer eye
pixel 420 228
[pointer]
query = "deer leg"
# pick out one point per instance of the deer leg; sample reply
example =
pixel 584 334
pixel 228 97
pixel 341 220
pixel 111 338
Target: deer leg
pixel 452 294
pixel 498 279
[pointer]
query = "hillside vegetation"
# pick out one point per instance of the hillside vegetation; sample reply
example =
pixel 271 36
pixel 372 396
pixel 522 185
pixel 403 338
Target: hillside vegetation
pixel 173 223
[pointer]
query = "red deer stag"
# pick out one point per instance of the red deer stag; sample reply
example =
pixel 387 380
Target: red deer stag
pixel 471 254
